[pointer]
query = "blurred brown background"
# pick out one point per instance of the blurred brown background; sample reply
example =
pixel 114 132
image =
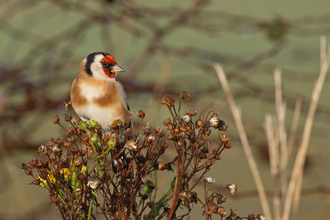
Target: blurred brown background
pixel 165 47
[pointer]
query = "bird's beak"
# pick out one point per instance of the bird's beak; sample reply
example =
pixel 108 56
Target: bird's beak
pixel 117 69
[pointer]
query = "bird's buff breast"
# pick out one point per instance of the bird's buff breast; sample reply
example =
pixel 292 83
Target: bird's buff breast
pixel 100 101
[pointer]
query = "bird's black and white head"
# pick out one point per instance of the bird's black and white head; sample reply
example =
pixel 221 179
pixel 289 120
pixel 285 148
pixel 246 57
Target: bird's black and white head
pixel 102 65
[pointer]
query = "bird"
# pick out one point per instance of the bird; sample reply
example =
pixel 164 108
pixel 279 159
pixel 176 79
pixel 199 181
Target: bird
pixel 96 94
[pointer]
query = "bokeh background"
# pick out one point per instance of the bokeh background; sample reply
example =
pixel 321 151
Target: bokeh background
pixel 165 47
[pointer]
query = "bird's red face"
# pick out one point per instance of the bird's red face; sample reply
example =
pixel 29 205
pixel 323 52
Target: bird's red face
pixel 107 65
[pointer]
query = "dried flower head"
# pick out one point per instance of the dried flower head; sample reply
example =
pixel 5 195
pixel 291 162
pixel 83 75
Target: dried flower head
pixel 191 112
pixel 185 118
pixel 56 119
pixel 168 100
pixel 92 184
pixel 158 130
pixel 227 145
pixel 209 179
pixel 141 114
pixel 232 188
pixel 199 123
pixel 146 129
pixel 42 149
pixel 185 96
pixel 222 212
pixel 224 137
pixel 68 117
pixel 117 125
pixel 222 126
pixel 150 139
pixel 70 131
pixel 167 122
pixel 214 121
pixel 261 217
pixel 132 145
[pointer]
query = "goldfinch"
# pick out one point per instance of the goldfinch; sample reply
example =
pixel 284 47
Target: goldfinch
pixel 96 94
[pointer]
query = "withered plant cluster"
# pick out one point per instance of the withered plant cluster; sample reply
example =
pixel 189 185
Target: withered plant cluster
pixel 112 172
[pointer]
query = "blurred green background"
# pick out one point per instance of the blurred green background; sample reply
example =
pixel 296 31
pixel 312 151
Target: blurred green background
pixel 165 47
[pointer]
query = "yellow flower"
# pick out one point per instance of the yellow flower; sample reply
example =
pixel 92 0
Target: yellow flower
pixel 44 183
pixel 65 172
pixel 83 170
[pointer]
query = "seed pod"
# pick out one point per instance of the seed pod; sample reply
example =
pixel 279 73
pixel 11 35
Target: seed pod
pixel 70 131
pixel 199 123
pixel 141 114
pixel 56 119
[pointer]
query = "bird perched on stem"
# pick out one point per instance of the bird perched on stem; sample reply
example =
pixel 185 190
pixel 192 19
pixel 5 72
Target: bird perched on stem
pixel 96 94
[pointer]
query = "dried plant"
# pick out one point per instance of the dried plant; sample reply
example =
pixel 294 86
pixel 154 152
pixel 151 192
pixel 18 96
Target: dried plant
pixel 93 172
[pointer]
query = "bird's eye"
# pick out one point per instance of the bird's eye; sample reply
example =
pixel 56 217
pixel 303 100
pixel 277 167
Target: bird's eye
pixel 104 63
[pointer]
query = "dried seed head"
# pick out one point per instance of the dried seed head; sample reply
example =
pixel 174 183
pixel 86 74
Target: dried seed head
pixel 181 143
pixel 56 148
pixel 224 137
pixel 163 166
pixel 73 151
pixel 59 141
pixel 233 213
pixel 168 100
pixel 185 118
pixel 167 122
pixel 207 131
pixel 184 195
pixel 227 145
pixel 42 149
pixel 70 131
pixel 66 144
pixel 222 126
pixel 184 129
pixel 77 162
pixel 261 217
pixel 146 129
pixel 212 208
pixel 209 179
pixel 164 145
pixel 232 188
pixel 68 117
pixel 67 105
pixel 185 96
pixel 117 125
pixel 56 119
pixel 150 139
pixel 191 112
pixel 158 130
pixel 92 184
pixel 141 114
pixel 132 145
pixel 28 171
pixel 220 198
pixel 251 217
pixel 199 123
pixel 214 121
pixel 201 155
pixel 222 212
pixel 201 142
pixel 171 126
